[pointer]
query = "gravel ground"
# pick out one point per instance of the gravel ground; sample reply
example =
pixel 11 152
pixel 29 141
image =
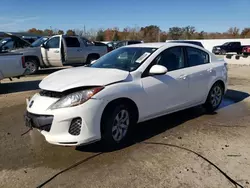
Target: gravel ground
pixel 223 138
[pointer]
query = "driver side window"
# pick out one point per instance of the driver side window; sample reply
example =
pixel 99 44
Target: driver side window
pixel 53 43
pixel 172 58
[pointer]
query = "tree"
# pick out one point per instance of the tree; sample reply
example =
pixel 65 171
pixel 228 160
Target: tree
pixel 175 33
pixel 48 32
pixel 60 32
pixel 35 31
pixel 116 36
pixel 245 33
pixel 79 32
pixel 70 32
pixel 150 33
pixel 100 35
pixel 234 32
pixel 188 32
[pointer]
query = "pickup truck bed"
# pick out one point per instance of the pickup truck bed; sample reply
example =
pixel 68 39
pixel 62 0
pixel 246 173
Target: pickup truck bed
pixel 11 65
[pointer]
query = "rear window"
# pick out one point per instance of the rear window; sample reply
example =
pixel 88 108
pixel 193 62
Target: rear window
pixel 72 42
pixel 133 42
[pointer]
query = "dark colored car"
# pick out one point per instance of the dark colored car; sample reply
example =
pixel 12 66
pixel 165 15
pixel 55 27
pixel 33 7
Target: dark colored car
pixel 188 41
pixel 12 42
pixel 127 42
pixel 228 47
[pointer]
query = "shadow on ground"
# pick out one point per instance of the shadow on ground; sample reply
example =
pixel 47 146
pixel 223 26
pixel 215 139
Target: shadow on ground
pixel 146 130
pixel 13 87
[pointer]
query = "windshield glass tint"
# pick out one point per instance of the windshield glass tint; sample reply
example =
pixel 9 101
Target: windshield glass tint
pixel 127 59
pixel 38 42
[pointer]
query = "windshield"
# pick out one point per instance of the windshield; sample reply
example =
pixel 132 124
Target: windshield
pixel 127 59
pixel 39 41
pixel 225 44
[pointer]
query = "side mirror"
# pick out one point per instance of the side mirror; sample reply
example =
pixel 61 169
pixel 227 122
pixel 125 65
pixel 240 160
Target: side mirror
pixel 43 45
pixel 158 70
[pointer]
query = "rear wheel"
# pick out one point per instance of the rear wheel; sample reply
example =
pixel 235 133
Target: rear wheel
pixel 31 65
pixel 116 122
pixel 214 97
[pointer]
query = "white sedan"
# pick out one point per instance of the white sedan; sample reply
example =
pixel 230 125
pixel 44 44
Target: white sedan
pixel 129 85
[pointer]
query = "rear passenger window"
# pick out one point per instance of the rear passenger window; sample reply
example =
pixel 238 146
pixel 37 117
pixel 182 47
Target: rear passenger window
pixel 172 59
pixel 196 57
pixel 72 42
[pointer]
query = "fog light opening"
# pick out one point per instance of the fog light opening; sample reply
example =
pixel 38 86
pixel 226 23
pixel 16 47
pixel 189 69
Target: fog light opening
pixel 75 126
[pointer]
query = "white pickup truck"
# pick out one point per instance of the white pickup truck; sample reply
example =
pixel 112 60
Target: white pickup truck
pixel 11 65
pixel 61 50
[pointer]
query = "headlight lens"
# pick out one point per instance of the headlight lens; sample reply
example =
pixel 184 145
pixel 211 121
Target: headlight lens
pixel 75 98
pixel 218 48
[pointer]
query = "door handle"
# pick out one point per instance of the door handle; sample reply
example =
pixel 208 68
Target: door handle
pixel 183 77
pixel 56 51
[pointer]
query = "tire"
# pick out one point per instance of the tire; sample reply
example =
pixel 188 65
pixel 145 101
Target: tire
pixel 223 52
pixel 91 58
pixel 31 65
pixel 214 97
pixel 116 123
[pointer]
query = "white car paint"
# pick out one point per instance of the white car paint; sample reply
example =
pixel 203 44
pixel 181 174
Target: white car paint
pixel 11 65
pixel 154 95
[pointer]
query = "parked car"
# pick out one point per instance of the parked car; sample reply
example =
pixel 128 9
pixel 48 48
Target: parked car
pixel 188 41
pixel 30 39
pixel 61 50
pixel 39 42
pixel 109 45
pixel 11 43
pixel 11 65
pixel 131 84
pixel 127 42
pixel 246 50
pixel 228 47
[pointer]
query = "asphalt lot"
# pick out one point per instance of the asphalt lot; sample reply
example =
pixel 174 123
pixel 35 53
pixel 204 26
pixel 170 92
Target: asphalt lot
pixel 222 137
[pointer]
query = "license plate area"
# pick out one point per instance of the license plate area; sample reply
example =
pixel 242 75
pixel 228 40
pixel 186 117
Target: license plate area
pixel 28 121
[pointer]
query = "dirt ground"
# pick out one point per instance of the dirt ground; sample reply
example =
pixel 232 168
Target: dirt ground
pixel 223 138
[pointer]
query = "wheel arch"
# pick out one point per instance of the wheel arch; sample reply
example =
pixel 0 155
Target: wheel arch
pixel 33 57
pixel 121 100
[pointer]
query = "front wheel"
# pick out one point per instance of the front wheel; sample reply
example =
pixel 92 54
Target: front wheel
pixel 214 97
pixel 115 124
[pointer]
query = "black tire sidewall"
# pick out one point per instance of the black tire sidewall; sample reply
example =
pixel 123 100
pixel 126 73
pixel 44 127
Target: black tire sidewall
pixel 107 124
pixel 208 105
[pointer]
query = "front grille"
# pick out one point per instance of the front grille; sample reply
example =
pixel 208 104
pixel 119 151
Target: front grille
pixel 52 94
pixel 75 126
pixel 41 122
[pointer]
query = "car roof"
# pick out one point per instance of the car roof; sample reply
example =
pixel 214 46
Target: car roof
pixel 161 44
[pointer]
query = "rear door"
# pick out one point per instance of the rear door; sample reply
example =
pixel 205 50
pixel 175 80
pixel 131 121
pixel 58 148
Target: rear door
pixel 51 52
pixel 200 73
pixel 74 50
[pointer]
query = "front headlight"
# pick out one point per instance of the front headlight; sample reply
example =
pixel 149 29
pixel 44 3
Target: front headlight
pixel 218 48
pixel 75 98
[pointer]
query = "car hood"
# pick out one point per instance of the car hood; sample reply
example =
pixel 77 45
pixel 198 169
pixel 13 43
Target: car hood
pixel 81 76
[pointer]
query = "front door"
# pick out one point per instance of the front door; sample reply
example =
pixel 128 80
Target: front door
pixel 166 93
pixel 51 52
